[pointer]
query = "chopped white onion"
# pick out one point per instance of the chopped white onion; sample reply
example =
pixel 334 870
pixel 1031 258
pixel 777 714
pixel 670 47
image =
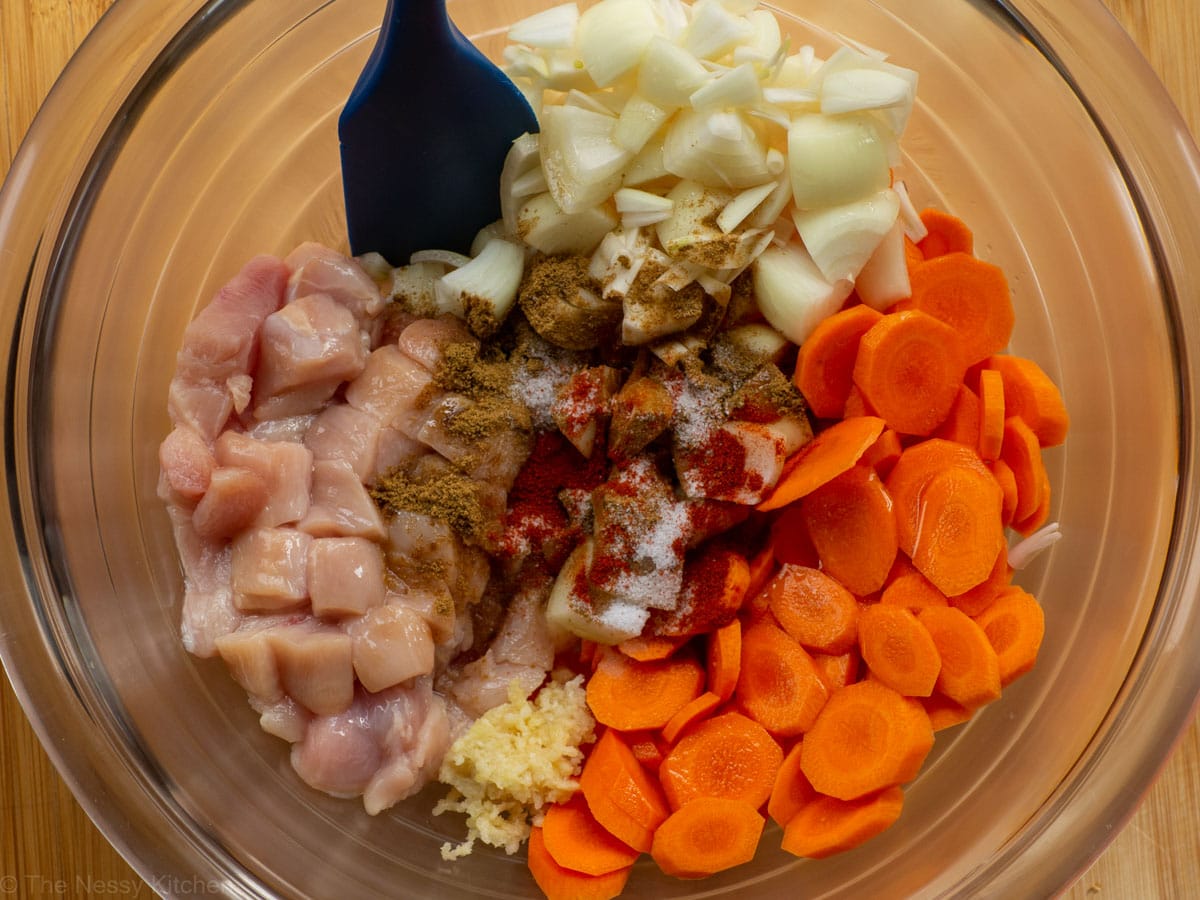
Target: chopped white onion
pixel 714 30
pixel 489 280
pixel 639 121
pixel 488 233
pixel 552 28
pixel 773 207
pixel 884 280
pixel 446 257
pixel 674 16
pixel 740 207
pixel 718 149
pixel 641 208
pixel 581 160
pixel 523 157
pixel 792 293
pixel 612 35
pixel 836 160
pixel 914 228
pixel 792 97
pixel 1026 550
pixel 583 100
pixel 543 225
pixel 737 87
pixel 669 75
pixel 852 90
pixel 840 239
pixel 647 166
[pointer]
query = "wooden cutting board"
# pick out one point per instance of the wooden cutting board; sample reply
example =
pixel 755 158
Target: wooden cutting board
pixel 48 847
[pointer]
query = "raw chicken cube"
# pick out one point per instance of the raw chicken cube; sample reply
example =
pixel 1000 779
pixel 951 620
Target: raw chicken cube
pixel 391 645
pixel 250 657
pixel 235 498
pixel 208 608
pixel 221 344
pixel 426 340
pixel 315 668
pixel 341 506
pixel 285 718
pixel 345 576
pixel 397 449
pixel 317 269
pixel 292 429
pixel 308 349
pixel 286 467
pixel 393 387
pixel 186 461
pixel 342 432
pixel 270 569
pixel 430 598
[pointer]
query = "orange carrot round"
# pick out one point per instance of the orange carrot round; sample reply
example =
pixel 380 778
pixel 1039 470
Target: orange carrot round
pixel 852 526
pixel 691 713
pixel 1008 486
pixel 867 738
pixel 857 405
pixel 837 670
pixel 898 650
pixel 1033 397
pixel 1014 626
pixel 946 234
pixel 884 453
pixel 970 673
pixel 1040 515
pixel 979 598
pixel 1022 454
pixel 963 423
pixel 826 359
pixel 943 712
pixel 824 458
pixel 559 883
pixel 909 368
pixel 991 420
pixel 629 695
pixel 778 686
pixel 651 647
pixel 909 588
pixel 707 835
pixel 790 541
pixel 647 748
pixel 729 756
pixel 792 790
pixel 724 659
pixel 622 796
pixel 918 464
pixel 814 609
pixel 969 295
pixel 578 842
pixel 827 826
pixel 913 256
pixel 959 534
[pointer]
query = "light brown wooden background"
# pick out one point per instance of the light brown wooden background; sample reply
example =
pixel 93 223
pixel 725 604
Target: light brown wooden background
pixel 47 842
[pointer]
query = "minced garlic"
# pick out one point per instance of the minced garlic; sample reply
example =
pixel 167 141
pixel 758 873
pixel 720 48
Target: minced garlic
pixel 513 762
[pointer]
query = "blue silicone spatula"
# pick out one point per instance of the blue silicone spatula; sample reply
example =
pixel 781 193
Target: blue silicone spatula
pixel 424 134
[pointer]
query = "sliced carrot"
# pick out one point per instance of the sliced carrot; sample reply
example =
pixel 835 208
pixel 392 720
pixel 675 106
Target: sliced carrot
pixel 884 453
pixel 898 650
pixel 814 609
pixel 910 589
pixel 1039 516
pixel 576 841
pixel 650 647
pixel 991 420
pixel 909 368
pixel 913 256
pixel 970 673
pixel 1015 626
pixel 826 359
pixel 778 686
pixel 647 750
pixel 837 670
pixel 792 790
pixel 828 826
pixel 691 713
pixel 979 598
pixel 1022 453
pixel 790 541
pixel 969 295
pixel 959 534
pixel 623 797
pixel 943 712
pixel 729 756
pixel 762 569
pixel 963 422
pixel 852 526
pixel 917 464
pixel 707 835
pixel 867 738
pixel 559 883
pixel 630 696
pixel 947 234
pixel 856 404
pixel 1008 486
pixel 824 458
pixel 1033 397
pixel 724 659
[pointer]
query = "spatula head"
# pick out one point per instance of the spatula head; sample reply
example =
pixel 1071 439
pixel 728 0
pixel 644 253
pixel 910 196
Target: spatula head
pixel 423 139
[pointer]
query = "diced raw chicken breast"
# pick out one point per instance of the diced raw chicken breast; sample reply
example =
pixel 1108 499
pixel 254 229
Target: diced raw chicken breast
pixel 316 668
pixel 341 506
pixel 235 498
pixel 221 344
pixel 345 576
pixel 430 598
pixel 397 449
pixel 269 569
pixel 285 719
pixel 495 460
pixel 342 432
pixel 208 610
pixel 385 746
pixel 292 429
pixel 425 340
pixel 186 461
pixel 308 349
pixel 317 269
pixel 391 645
pixel 393 388
pixel 250 658
pixel 286 467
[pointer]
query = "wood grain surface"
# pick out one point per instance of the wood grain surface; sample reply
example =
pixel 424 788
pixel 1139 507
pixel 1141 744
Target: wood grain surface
pixel 49 848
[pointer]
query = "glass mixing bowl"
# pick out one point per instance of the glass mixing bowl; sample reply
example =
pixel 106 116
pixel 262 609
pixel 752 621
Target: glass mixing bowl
pixel 188 135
